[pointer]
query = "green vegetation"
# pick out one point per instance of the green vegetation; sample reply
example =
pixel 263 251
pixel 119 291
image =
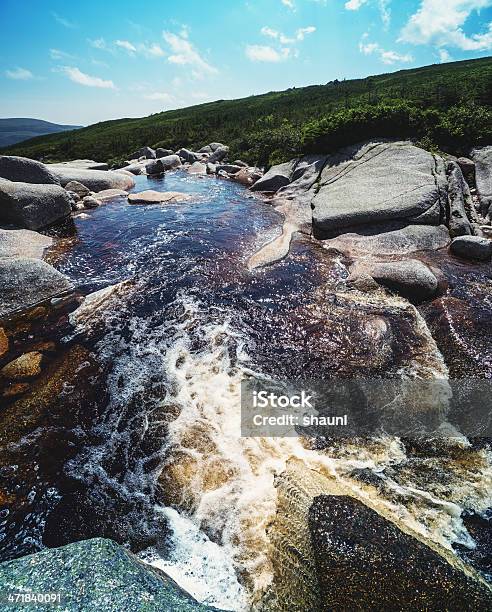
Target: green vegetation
pixel 444 106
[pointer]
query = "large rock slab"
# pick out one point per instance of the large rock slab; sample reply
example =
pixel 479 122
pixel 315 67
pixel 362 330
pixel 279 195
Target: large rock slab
pixel 277 177
pixel 459 198
pixel 378 182
pixel 401 241
pixel 158 197
pixel 24 282
pixel 97 575
pixel 33 206
pixel 472 247
pixel 95 180
pixel 23 243
pixel 84 164
pixel 483 176
pixel 364 562
pixel 24 170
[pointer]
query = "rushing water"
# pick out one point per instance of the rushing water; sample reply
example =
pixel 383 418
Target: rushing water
pixel 163 467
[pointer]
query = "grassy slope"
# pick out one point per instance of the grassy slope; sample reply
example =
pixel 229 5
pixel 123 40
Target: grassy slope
pixel 241 123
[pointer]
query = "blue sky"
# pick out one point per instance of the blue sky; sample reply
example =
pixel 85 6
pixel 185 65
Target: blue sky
pixel 90 61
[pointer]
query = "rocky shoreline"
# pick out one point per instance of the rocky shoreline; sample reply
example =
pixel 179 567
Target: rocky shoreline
pixel 386 208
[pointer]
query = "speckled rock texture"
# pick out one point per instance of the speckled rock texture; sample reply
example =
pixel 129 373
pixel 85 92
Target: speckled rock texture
pixel 364 562
pixel 96 575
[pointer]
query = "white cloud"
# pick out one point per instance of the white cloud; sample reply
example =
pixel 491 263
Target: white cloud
pixel 184 53
pixel 441 24
pixel 98 43
pixel 303 32
pixel 387 57
pixel 266 31
pixel 444 56
pixel 19 74
pixel 264 53
pixel 354 5
pixel 57 54
pixel 385 12
pixel 63 21
pixel 152 50
pixel 77 76
pixel 289 4
pixel 127 45
pixel 162 96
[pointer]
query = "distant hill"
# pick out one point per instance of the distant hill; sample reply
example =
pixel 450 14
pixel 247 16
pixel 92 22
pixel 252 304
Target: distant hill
pixel 441 106
pixel 18 129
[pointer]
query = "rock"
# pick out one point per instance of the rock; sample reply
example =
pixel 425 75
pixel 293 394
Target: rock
pixel 145 152
pixel 78 188
pixel 410 278
pixel 157 197
pixel 25 366
pixel 472 247
pixel 110 194
pixel 364 562
pixel 302 188
pixel 83 164
pixel 211 168
pixel 91 202
pixel 24 282
pixel 189 156
pixel 97 574
pixel 467 167
pixel 379 182
pixel 159 152
pixel 229 168
pixel 171 162
pixel 14 389
pixel 458 195
pixel 207 150
pixel 135 169
pixel 31 205
pixel 410 239
pixel 197 168
pixel 4 343
pixel 155 168
pixel 276 178
pixel 217 145
pixel 248 176
pixel 24 170
pixel 483 176
pixel 23 243
pixel 219 154
pixel 95 180
pixel 238 162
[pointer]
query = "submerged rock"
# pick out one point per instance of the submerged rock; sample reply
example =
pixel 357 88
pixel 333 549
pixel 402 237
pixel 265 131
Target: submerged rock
pixel 379 182
pixel 156 197
pixel 410 278
pixel 472 247
pixel 24 170
pixel 97 575
pixel 95 180
pixel 364 562
pixel 31 205
pixel 25 282
pixel 23 243
pixel 25 366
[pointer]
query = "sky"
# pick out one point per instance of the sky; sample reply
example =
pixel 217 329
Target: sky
pixel 84 62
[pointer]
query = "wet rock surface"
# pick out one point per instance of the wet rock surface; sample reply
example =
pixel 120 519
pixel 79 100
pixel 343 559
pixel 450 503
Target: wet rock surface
pixel 23 243
pixel 357 549
pixel 94 575
pixel 25 282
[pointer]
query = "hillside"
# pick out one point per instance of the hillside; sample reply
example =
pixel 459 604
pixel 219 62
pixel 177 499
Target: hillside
pixel 17 129
pixel 446 105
